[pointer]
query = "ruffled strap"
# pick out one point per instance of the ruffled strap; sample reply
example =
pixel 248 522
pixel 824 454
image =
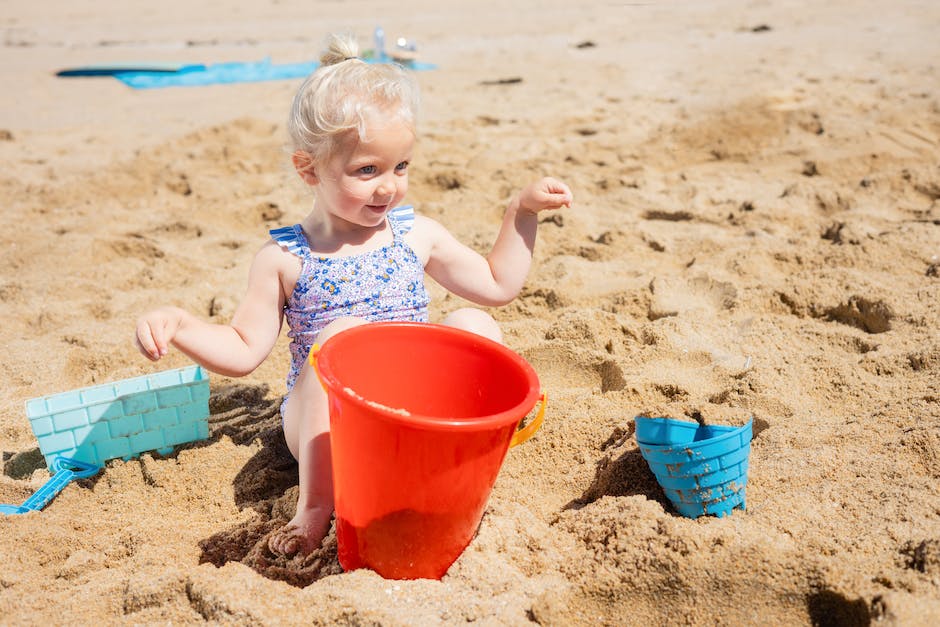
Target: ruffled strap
pixel 402 218
pixel 291 239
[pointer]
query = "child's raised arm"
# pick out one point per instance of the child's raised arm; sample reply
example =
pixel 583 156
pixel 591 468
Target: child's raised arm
pixel 497 278
pixel 233 349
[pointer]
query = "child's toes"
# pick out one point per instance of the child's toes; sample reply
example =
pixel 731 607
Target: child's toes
pixel 285 541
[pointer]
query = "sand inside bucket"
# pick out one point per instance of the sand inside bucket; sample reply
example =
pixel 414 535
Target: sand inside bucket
pixel 395 410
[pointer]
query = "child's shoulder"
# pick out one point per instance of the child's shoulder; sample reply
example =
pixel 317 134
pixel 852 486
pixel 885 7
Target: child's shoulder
pixel 424 223
pixel 283 247
pixel 408 222
pixel 426 235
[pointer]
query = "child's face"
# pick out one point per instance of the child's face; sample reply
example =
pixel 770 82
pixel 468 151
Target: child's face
pixel 363 180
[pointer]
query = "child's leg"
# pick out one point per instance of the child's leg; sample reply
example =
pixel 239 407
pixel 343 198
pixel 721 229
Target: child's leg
pixel 476 321
pixel 307 431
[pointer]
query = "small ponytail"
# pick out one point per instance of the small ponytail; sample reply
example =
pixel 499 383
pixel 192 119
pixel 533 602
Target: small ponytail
pixel 340 48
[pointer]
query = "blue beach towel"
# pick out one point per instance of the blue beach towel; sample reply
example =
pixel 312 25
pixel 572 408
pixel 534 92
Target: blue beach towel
pixel 221 73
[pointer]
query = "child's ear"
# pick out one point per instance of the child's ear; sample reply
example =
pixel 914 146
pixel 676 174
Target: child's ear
pixel 303 163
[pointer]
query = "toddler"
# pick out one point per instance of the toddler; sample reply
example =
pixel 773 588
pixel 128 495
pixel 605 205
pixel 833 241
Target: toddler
pixel 359 256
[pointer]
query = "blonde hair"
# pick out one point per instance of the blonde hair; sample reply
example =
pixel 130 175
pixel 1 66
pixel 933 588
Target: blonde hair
pixel 339 96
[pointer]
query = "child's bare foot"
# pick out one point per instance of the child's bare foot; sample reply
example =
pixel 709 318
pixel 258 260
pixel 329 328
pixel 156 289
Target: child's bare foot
pixel 303 534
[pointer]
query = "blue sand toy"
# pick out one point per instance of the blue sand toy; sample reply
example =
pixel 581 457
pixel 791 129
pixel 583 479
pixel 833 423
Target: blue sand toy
pixel 83 429
pixel 701 468
pixel 63 476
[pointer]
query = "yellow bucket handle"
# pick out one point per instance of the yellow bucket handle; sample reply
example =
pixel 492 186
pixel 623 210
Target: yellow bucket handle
pixel 529 430
pixel 312 358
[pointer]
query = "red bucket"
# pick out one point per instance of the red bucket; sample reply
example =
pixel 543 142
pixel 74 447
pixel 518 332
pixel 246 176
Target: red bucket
pixel 421 418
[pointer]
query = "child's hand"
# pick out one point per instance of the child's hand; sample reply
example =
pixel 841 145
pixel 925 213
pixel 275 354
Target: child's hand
pixel 155 331
pixel 548 193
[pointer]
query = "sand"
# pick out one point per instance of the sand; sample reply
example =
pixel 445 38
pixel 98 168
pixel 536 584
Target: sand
pixel 756 232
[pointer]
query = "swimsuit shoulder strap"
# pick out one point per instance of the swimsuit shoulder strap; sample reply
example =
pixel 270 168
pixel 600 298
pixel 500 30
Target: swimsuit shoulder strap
pixel 402 219
pixel 291 239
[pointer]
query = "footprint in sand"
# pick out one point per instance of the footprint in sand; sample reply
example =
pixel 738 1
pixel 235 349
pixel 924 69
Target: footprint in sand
pixel 567 366
pixel 131 245
pixel 178 229
pixel 673 297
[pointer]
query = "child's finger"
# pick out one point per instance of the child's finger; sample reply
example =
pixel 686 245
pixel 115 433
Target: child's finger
pixel 146 341
pixel 556 186
pixel 561 198
pixel 159 338
pixel 143 351
pixel 558 191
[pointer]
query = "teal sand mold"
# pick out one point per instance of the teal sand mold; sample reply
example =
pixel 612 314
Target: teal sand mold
pixel 80 430
pixel 701 468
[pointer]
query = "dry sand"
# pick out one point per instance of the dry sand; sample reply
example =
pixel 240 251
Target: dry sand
pixel 756 231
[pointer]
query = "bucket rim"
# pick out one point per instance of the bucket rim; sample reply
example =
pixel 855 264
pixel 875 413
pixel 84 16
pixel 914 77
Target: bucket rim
pixel 501 419
pixel 698 444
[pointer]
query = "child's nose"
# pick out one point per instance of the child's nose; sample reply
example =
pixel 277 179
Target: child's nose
pixel 386 187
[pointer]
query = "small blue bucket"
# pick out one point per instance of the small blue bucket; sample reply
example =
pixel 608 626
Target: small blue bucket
pixel 701 468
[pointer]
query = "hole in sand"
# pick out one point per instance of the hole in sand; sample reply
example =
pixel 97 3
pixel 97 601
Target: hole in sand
pixel 831 608
pixel 668 216
pixel 23 464
pixel 872 316
pixel 626 474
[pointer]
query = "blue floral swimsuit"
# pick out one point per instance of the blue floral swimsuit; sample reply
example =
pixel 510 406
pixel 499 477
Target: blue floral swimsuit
pixel 382 284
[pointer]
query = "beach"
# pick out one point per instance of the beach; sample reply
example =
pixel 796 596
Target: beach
pixel 755 235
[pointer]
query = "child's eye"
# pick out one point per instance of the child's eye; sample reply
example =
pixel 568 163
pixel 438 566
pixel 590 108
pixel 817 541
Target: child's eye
pixel 402 166
pixel 367 169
